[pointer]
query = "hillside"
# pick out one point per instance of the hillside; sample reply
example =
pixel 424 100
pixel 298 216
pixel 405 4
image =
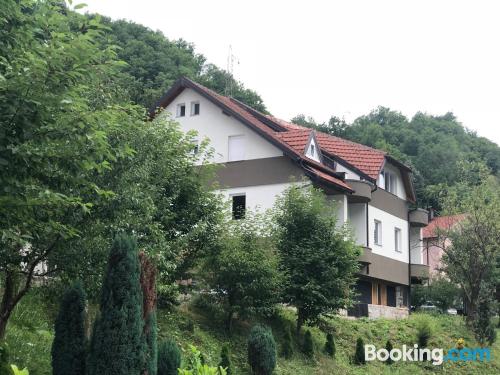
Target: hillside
pixel 30 336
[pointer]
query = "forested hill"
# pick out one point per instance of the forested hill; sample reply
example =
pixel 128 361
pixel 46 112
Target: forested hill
pixel 155 63
pixel 434 146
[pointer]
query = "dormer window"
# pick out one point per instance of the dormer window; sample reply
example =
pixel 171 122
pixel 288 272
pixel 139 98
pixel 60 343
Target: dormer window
pixel 313 154
pixel 391 184
pixel 195 108
pixel 181 110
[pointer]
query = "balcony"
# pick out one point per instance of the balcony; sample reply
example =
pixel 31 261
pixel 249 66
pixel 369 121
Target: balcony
pixel 362 191
pixel 419 271
pixel 419 217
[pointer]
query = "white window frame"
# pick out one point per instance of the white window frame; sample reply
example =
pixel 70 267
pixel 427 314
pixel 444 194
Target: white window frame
pixel 390 183
pixel 398 242
pixel 377 234
pixel 232 205
pixel 193 105
pixel 240 154
pixel 178 113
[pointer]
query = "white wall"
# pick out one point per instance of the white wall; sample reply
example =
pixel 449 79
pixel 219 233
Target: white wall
pixel 211 123
pixel 357 220
pixel 401 193
pixel 389 222
pixel 416 245
pixel 350 175
pixel 340 201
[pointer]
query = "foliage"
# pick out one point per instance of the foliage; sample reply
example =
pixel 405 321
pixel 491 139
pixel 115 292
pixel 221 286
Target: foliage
pixel 117 346
pixel 225 360
pixel 441 291
pixel 196 365
pixel 318 257
pixel 69 345
pixel 169 358
pixel 424 332
pixel 244 271
pixel 359 354
pixel 261 350
pixel 308 346
pixel 287 348
pixel 483 326
pixel 150 330
pixel 330 345
pixel 17 371
pixel 5 368
pixel 389 347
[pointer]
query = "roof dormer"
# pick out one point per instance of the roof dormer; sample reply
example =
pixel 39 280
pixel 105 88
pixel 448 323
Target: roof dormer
pixel 312 150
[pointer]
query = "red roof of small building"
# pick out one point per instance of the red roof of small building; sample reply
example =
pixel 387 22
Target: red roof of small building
pixel 441 223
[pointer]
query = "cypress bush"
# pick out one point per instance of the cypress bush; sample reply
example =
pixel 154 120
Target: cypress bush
pixel 150 331
pixel 5 368
pixel 117 345
pixel 261 350
pixel 169 358
pixel 287 348
pixel 388 347
pixel 69 345
pixel 308 348
pixel 359 355
pixel 330 345
pixel 225 360
pixel 424 332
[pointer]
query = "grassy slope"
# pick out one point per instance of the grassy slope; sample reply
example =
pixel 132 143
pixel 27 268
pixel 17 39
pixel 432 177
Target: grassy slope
pixel 30 334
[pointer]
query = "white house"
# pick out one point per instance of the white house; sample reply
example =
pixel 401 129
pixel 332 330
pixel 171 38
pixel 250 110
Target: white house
pixel 262 155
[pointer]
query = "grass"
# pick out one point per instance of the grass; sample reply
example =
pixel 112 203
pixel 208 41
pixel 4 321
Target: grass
pixel 29 336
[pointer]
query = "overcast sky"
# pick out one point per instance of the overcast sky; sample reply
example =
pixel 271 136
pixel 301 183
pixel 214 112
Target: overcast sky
pixel 345 57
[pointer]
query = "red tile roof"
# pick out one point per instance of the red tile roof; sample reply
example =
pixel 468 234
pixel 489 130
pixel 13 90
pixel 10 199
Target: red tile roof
pixel 441 223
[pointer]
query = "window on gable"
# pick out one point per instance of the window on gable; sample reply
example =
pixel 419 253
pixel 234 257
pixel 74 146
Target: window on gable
pixel 312 150
pixel 181 110
pixel 390 182
pixel 196 146
pixel 195 108
pixel 239 206
pixel 236 147
pixel 377 235
pixel 397 240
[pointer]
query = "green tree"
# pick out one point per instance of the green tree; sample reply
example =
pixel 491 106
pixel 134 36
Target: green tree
pixel 150 331
pixel 308 346
pixel 261 350
pixel 359 354
pixel 444 293
pixel 318 257
pixel 58 104
pixel 330 345
pixel 244 272
pixel 117 346
pixel 287 347
pixel 388 347
pixel 69 345
pixel 225 360
pixel 169 358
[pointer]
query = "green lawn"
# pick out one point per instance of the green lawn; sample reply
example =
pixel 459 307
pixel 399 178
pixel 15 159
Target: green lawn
pixel 30 334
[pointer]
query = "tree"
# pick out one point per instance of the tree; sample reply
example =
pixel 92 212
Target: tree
pixel 58 104
pixel 69 345
pixel 308 347
pixel 287 348
pixel 169 358
pixel 117 346
pixel 388 347
pixel 330 345
pixel 472 258
pixel 150 331
pixel 444 293
pixel 483 327
pixel 318 257
pixel 225 360
pixel 359 355
pixel 244 272
pixel 261 350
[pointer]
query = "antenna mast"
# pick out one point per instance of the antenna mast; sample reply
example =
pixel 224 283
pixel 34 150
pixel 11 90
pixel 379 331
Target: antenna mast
pixel 231 59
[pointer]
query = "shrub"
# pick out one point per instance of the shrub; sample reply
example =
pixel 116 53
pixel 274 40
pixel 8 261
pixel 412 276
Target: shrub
pixel 169 358
pixel 261 350
pixel 388 347
pixel 117 345
pixel 287 349
pixel 68 347
pixel 308 347
pixel 150 330
pixel 330 345
pixel 225 360
pixel 424 332
pixel 195 365
pixel 5 368
pixel 359 355
pixel 482 326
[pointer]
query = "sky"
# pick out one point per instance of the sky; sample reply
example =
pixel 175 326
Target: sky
pixel 345 58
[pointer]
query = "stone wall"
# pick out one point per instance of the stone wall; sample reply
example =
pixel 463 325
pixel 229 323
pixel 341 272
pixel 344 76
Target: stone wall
pixel 389 312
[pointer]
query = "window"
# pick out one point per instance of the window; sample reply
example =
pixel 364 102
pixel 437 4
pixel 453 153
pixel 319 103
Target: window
pixel 378 233
pixel 181 110
pixel 312 150
pixel 397 240
pixel 239 206
pixel 236 148
pixel 390 182
pixel 195 108
pixel 196 146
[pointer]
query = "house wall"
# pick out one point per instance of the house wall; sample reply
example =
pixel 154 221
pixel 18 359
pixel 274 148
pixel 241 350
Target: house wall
pixel 389 222
pixel 432 255
pixel 340 201
pixel 416 246
pixel 401 193
pixel 349 174
pixel 357 220
pixel 211 123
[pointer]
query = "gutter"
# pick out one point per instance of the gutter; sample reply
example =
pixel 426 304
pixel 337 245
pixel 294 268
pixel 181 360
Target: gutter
pixel 409 265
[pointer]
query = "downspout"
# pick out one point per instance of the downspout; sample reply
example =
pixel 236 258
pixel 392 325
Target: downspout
pixel 409 265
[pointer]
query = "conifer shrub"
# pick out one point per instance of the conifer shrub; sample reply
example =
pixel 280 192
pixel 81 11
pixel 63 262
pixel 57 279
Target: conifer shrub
pixel 287 348
pixel 359 355
pixel 388 347
pixel 149 298
pixel 117 346
pixel 169 358
pixel 261 350
pixel 225 360
pixel 330 345
pixel 424 332
pixel 5 368
pixel 69 345
pixel 308 346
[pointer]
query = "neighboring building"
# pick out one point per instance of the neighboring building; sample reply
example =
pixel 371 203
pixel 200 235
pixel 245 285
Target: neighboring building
pixel 433 246
pixel 262 156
